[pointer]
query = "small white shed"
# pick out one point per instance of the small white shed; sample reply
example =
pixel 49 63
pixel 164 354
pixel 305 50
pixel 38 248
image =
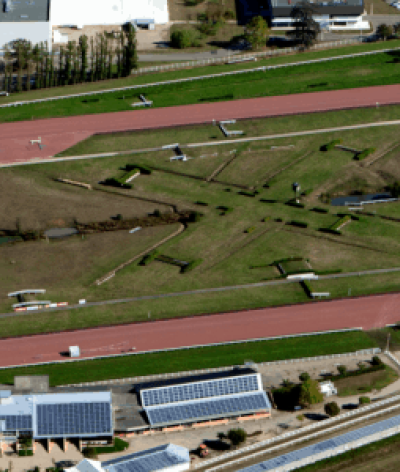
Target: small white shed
pixel 328 388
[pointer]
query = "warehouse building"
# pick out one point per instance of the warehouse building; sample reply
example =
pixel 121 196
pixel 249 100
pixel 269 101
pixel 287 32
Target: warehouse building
pixel 82 416
pixel 167 457
pixel 195 399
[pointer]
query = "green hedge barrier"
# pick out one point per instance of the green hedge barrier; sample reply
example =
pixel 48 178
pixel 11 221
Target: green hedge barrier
pixel 149 257
pixel 191 265
pixel 319 210
pixel 363 154
pixel 300 224
pixel 329 146
pixel 143 169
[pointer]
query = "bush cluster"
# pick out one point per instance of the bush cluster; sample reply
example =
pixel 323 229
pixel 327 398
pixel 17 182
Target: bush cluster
pixel 332 409
pixel 363 154
pixel 185 38
pixel 344 373
pixel 331 145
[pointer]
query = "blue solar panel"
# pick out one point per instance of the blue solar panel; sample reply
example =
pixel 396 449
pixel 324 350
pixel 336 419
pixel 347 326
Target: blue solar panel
pixel 193 411
pixel 18 422
pixel 73 419
pixel 197 390
pixel 149 463
pixel 327 445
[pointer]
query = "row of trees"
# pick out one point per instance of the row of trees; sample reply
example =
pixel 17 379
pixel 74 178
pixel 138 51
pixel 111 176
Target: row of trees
pixel 100 58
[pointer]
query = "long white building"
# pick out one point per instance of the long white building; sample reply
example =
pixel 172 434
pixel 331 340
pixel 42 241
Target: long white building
pixel 107 12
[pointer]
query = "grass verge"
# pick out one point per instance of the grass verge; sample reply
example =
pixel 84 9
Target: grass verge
pixel 202 358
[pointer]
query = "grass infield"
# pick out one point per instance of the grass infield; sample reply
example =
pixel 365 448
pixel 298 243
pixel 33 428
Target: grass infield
pixel 200 358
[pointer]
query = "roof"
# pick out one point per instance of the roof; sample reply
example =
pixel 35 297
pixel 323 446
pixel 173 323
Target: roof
pixel 24 10
pixel 194 378
pixel 5 393
pixel 87 465
pixel 156 458
pixel 59 414
pixel 324 446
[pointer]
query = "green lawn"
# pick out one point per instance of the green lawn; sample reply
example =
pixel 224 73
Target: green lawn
pixel 203 358
pixel 341 74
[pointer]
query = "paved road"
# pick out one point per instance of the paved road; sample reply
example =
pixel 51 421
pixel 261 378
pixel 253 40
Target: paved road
pixel 367 312
pixel 59 134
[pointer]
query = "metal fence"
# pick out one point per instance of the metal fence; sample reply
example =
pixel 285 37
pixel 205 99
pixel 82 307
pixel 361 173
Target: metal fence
pixel 202 77
pixel 311 427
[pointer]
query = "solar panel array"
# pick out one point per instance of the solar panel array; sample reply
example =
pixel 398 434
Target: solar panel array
pixel 157 461
pixel 73 419
pixel 18 422
pixel 327 445
pixel 192 411
pixel 198 390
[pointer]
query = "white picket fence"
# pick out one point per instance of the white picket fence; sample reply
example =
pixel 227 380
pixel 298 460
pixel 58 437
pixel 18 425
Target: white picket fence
pixel 311 427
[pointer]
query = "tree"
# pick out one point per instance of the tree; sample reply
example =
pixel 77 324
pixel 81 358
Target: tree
pixel 8 59
pixel 257 32
pixel 69 56
pixel 130 51
pixel 304 376
pixel 342 369
pixel 396 28
pixel 83 49
pixel 92 59
pixel 384 31
pixel 237 436
pixel 306 29
pixel 332 409
pixel 310 393
pixel 364 400
pixel 395 192
pixel 221 436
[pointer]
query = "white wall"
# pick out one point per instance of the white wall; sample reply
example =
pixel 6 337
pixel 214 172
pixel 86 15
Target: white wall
pixel 107 12
pixel 35 32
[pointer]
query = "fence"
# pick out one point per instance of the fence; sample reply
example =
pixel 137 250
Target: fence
pixel 203 77
pixel 311 427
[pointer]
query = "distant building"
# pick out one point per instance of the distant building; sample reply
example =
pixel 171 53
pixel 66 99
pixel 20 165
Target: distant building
pixel 167 457
pixel 25 19
pixel 332 15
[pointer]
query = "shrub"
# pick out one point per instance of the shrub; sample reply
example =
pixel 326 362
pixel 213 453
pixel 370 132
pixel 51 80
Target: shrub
pixel 364 400
pixel 143 169
pixel 363 154
pixel 157 213
pixel 310 393
pixel 90 452
pixel 201 203
pixel 331 145
pixel 191 265
pixel 295 204
pixel 266 218
pixel 250 230
pixel 229 15
pixel 342 369
pixel 149 257
pixel 278 220
pixel 300 224
pixel 195 217
pixel 376 360
pixel 119 217
pixel 332 409
pixel 320 210
pixel 265 200
pixel 247 194
pixel 236 436
pixel 300 417
pixel 304 376
pixel 184 38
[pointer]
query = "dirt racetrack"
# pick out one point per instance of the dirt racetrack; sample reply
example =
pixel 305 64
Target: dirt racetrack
pixel 59 134
pixel 366 312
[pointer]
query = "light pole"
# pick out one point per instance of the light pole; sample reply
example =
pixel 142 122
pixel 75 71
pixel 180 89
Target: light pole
pixel 296 190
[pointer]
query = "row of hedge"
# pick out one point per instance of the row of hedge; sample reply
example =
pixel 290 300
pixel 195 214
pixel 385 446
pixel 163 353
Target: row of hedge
pixel 331 145
pixel 117 182
pixel 307 287
pixel 300 224
pixel 355 373
pixel 191 265
pixel 344 219
pixel 363 154
pixel 143 169
pixel 150 257
pixel 295 204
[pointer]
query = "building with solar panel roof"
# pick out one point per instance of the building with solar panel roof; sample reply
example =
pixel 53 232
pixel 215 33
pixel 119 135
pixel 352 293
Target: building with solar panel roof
pixel 194 399
pixel 167 457
pixel 80 415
